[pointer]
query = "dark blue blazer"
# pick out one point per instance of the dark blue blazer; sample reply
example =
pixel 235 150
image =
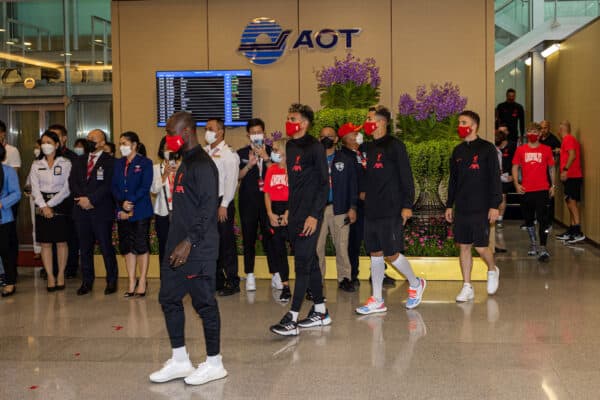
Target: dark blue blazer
pixel 344 182
pixel 97 188
pixel 134 187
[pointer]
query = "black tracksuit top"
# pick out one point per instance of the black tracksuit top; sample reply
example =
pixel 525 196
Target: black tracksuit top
pixel 388 180
pixel 308 178
pixel 474 185
pixel 195 201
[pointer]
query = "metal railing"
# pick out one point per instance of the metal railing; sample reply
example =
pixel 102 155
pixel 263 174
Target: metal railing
pixel 103 43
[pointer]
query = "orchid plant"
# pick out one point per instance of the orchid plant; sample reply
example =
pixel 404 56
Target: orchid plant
pixel 349 83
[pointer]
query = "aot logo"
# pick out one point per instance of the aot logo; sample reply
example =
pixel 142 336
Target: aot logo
pixel 264 40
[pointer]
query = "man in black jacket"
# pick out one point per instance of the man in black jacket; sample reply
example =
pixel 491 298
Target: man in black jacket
pixel 475 191
pixel 389 197
pixel 308 187
pixel 512 114
pixel 94 211
pixel 254 161
pixel 340 210
pixel 192 249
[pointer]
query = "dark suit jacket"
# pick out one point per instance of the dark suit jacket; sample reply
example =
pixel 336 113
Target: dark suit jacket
pixel 97 188
pixel 344 182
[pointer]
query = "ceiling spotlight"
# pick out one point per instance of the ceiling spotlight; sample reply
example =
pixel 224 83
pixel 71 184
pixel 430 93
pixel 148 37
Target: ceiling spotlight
pixel 27 43
pixel 528 61
pixel 550 50
pixel 2 30
pixel 99 62
pixel 10 42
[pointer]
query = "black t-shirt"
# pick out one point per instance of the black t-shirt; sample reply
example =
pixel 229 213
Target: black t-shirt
pixel 195 201
pixel 508 152
pixel 513 115
pixel 474 185
pixel 250 190
pixel 551 141
pixel 388 183
pixel 308 178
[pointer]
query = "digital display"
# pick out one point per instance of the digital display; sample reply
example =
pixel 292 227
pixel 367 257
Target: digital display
pixel 225 94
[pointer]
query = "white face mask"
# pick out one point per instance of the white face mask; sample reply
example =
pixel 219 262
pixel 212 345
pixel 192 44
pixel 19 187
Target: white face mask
pixel 36 153
pixel 359 138
pixel 125 150
pixel 210 137
pixel 79 151
pixel 48 148
pixel 275 157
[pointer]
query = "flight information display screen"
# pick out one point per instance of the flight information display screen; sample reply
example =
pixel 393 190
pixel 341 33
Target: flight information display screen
pixel 225 94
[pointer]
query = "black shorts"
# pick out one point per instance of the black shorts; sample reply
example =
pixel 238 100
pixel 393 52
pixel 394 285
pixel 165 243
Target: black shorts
pixel 472 229
pixel 133 236
pixel 384 234
pixel 572 188
pixel 508 187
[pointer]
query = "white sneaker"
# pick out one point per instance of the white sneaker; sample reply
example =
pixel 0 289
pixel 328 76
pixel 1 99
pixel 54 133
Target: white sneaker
pixel 250 283
pixel 206 373
pixel 172 370
pixel 493 279
pixel 276 281
pixel 467 293
pixel 372 306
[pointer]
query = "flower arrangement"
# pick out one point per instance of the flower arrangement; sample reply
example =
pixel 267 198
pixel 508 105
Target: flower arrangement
pixel 432 114
pixel 432 238
pixel 349 83
pixel 275 135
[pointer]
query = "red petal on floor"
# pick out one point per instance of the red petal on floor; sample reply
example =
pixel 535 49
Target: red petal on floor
pixel 33 387
pixel 117 327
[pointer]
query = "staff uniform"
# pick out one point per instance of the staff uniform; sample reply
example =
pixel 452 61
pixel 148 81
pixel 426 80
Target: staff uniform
pixel 474 187
pixel 163 204
pixel 50 188
pixel 227 162
pixel 10 194
pixel 251 203
pixel 131 182
pixel 194 219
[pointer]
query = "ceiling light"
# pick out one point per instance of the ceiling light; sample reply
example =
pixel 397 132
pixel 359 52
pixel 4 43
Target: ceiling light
pixel 27 43
pixel 98 41
pixel 99 62
pixel 528 61
pixel 515 71
pixel 10 42
pixel 2 30
pixel 550 50
pixel 65 54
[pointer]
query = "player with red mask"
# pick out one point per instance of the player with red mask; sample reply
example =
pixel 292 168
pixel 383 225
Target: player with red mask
pixel 536 163
pixel 389 197
pixel 308 182
pixel 475 192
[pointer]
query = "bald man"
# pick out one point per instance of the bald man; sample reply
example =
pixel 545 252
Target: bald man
pixel 94 211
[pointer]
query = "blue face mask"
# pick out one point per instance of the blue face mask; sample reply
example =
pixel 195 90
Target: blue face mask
pixel 276 157
pixel 79 151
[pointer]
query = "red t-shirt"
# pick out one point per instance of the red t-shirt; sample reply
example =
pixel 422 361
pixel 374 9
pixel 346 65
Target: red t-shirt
pixel 570 143
pixel 276 183
pixel 534 163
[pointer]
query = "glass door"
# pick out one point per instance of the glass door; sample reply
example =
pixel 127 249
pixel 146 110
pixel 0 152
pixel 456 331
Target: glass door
pixel 26 125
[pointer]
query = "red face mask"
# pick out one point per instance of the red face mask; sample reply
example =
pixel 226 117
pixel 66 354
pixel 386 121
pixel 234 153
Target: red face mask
pixel 370 127
pixel 291 128
pixel 174 142
pixel 532 137
pixel 464 131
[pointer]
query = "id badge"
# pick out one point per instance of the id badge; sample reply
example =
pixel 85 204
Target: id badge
pixel 57 170
pixel 100 174
pixel 261 184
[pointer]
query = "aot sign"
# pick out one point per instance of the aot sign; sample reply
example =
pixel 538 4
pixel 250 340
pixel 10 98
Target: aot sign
pixel 264 40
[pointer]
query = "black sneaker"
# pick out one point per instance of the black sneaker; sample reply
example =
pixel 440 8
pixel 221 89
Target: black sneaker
pixel 565 235
pixel 315 319
pixel 356 282
pixel 286 327
pixel 575 238
pixel 346 285
pixel 389 281
pixel 285 295
pixel 229 290
pixel 544 255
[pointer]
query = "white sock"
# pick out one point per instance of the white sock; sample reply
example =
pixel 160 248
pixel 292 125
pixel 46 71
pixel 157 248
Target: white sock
pixel 320 308
pixel 402 265
pixel 215 361
pixel 377 275
pixel 180 354
pixel 468 284
pixel 294 315
pixel 500 218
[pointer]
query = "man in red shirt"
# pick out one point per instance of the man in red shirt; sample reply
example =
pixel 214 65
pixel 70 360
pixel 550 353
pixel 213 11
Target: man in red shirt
pixel 535 161
pixel 571 175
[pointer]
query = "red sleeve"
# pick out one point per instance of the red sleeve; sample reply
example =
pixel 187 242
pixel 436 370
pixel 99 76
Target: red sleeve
pixel 267 188
pixel 568 143
pixel 517 157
